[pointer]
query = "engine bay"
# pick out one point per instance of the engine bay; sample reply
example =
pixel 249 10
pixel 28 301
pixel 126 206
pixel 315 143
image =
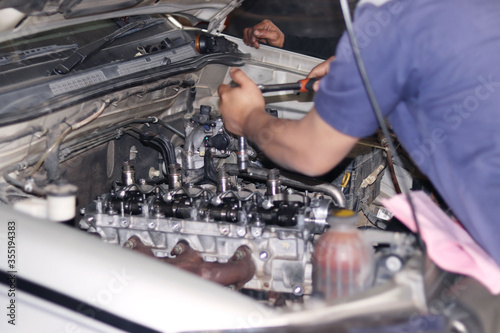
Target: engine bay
pixel 129 206
pixel 129 146
pixel 208 205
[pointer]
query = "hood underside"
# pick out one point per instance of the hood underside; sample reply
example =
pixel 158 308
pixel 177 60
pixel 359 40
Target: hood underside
pixel 24 18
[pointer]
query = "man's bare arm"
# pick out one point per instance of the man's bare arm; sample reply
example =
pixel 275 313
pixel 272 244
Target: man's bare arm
pixel 309 146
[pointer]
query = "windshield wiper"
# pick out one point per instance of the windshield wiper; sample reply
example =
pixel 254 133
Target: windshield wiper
pixel 83 52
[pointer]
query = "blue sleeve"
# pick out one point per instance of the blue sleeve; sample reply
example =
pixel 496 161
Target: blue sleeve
pixel 342 100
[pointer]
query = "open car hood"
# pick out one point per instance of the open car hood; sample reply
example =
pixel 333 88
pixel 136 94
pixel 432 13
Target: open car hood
pixel 22 18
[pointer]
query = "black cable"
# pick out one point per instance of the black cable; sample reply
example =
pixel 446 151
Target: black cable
pixel 190 99
pixel 112 129
pixel 378 113
pixel 171 128
pixel 209 172
pixel 166 147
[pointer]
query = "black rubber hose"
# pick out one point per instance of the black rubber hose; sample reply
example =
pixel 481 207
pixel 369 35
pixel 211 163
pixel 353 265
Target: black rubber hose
pixel 209 172
pixel 161 141
pixel 190 100
pixel 167 148
pixel 171 128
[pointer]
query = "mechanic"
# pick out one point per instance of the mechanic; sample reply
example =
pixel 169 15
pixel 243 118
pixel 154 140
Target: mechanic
pixel 267 32
pixel 435 72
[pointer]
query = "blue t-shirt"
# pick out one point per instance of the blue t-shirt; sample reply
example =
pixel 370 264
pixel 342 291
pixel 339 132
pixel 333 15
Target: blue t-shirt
pixel 435 70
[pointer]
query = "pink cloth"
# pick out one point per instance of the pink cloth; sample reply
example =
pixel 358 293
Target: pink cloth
pixel 448 245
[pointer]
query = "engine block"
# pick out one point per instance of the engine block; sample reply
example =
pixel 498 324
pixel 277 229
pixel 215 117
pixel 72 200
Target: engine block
pixel 278 233
pixel 248 227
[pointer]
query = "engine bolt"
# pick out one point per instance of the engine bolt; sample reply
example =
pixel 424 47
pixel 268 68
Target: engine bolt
pixel 123 222
pixel 264 255
pixel 298 291
pixel 238 255
pixel 151 224
pixel 224 230
pixel 241 232
pixel 256 231
pixel 129 245
pixel 176 227
pixel 393 263
pixel 178 249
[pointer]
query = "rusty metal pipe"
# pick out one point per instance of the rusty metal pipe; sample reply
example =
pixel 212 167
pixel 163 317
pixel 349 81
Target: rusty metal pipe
pixel 236 272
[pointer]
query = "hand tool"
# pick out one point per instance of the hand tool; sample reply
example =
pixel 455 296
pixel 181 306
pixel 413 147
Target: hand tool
pixel 304 85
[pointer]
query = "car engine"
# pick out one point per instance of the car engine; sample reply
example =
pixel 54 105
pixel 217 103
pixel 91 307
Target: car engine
pixel 126 205
pixel 150 167
pixel 239 226
pixel 219 213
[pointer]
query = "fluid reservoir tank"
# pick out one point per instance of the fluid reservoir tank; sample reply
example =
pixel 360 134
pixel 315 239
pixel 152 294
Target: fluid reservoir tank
pixel 342 260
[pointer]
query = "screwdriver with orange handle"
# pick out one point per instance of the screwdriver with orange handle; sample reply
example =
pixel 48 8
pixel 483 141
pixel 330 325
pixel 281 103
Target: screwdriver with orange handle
pixel 304 85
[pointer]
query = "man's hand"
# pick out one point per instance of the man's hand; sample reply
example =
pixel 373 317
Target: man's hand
pixel 239 103
pixel 309 145
pixel 264 32
pixel 319 71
